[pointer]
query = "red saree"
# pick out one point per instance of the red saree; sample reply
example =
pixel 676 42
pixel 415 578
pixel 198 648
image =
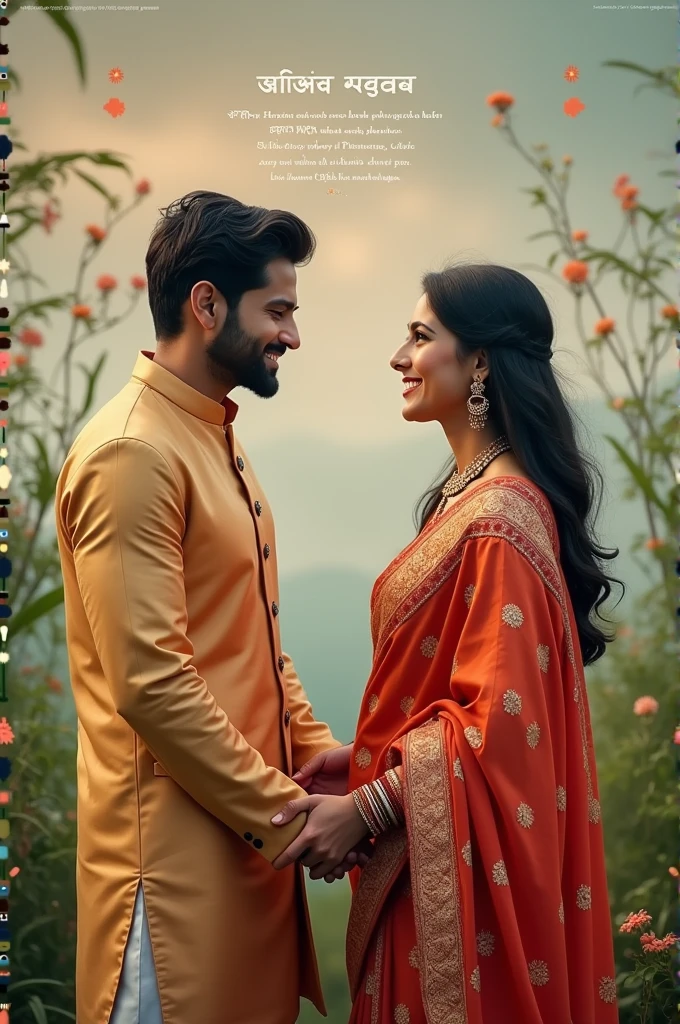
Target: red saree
pixel 491 904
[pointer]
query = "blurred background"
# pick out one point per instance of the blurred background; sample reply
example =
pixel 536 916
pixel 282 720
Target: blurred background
pixel 582 204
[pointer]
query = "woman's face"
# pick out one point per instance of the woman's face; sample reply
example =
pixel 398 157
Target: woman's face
pixel 436 382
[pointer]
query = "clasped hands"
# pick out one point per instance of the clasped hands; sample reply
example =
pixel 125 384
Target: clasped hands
pixel 335 837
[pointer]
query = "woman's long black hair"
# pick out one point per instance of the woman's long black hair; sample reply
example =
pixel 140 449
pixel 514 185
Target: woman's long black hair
pixel 501 311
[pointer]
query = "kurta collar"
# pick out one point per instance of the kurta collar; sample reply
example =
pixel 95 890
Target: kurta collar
pixel 182 394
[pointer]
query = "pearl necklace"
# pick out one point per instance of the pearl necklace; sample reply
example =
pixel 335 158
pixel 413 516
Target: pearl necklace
pixel 459 481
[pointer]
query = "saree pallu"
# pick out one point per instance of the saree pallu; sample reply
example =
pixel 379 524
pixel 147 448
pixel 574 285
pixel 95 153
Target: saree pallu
pixel 490 905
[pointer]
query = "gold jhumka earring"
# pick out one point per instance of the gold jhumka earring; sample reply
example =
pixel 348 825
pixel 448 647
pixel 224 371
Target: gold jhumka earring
pixel 477 404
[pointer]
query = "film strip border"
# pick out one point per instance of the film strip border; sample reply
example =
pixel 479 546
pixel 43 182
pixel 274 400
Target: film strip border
pixel 6 733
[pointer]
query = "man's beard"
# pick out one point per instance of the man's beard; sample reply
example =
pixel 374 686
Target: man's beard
pixel 237 357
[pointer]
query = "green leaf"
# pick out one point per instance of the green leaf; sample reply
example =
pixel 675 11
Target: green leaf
pixel 28 982
pixel 37 1008
pixel 643 481
pixel 37 922
pixel 37 609
pixel 64 24
pixel 58 1010
pixel 92 377
pixel 552 259
pixel 542 234
pixel 96 185
pixel 38 310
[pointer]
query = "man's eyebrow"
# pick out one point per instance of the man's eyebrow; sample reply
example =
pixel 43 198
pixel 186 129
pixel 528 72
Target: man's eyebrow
pixel 419 323
pixel 282 302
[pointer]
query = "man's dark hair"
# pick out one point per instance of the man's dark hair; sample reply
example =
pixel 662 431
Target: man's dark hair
pixel 206 236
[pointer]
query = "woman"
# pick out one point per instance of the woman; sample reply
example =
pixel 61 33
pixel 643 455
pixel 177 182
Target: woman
pixel 486 898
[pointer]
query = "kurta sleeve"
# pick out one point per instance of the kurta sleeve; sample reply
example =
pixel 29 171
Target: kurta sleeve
pixel 124 514
pixel 308 736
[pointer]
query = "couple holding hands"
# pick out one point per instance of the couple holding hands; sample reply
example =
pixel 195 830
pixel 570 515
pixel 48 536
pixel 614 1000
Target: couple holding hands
pixel 466 808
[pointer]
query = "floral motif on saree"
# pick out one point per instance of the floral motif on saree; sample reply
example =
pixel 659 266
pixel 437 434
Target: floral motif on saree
pixel 477 693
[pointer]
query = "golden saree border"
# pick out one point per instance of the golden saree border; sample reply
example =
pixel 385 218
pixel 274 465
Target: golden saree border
pixel 377 878
pixel 507 507
pixel 434 875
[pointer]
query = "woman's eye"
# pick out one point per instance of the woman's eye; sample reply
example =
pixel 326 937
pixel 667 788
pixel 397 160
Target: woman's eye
pixel 420 337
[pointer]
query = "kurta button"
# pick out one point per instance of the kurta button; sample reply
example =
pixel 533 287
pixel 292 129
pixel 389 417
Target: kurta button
pixel 248 836
pixel 258 844
pixel 275 609
pixel 267 550
pixel 286 717
pixel 258 508
pixel 240 463
pixel 282 664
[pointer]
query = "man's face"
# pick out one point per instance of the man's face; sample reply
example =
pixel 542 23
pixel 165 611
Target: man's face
pixel 246 351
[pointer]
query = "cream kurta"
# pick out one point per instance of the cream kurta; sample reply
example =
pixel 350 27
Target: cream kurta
pixel 191 718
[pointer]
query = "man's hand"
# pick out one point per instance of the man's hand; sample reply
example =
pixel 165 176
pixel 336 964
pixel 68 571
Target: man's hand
pixel 358 857
pixel 327 773
pixel 334 827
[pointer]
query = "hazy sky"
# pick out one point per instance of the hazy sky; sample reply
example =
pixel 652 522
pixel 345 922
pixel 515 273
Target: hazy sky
pixel 187 64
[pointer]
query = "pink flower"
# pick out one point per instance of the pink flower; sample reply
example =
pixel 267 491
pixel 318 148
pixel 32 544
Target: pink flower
pixel 143 187
pixel 645 706
pixel 620 184
pixel 96 233
pixel 30 337
pixel 676 737
pixel 49 216
pixel 106 282
pixel 634 921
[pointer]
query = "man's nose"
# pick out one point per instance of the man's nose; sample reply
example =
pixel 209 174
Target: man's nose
pixel 291 339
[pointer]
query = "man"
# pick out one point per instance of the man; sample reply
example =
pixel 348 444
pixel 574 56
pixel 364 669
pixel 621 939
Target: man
pixel 191 718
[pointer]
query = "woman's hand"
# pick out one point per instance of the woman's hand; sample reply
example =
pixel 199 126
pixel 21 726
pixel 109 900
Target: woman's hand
pixel 327 774
pixel 334 826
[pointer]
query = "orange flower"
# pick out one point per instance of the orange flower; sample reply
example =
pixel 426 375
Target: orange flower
pixel 674 872
pixel 502 101
pixel 138 282
pixel 669 312
pixel 579 236
pixel 620 183
pixel 107 282
pixel 567 160
pixel 628 204
pixel 96 233
pixel 651 944
pixel 30 337
pixel 497 121
pixel 81 312
pixel 575 272
pixel 54 684
pixel 654 543
pixel 629 192
pixel 634 921
pixel 605 326
pixel 645 706
pixel 143 187
pixel 20 360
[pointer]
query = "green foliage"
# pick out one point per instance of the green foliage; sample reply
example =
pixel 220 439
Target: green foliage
pixel 329 908
pixel 636 773
pixel 43 839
